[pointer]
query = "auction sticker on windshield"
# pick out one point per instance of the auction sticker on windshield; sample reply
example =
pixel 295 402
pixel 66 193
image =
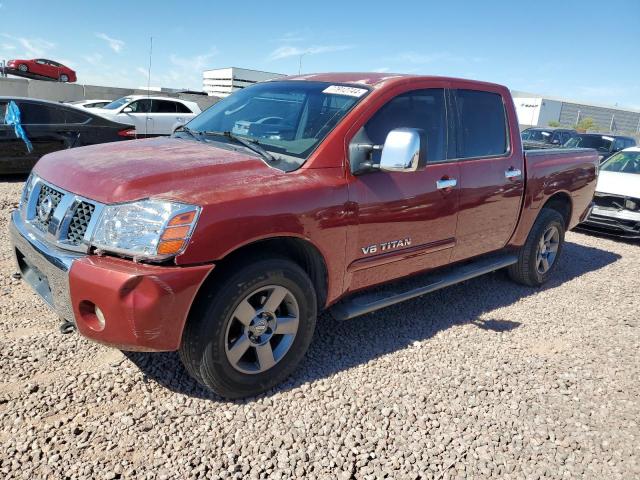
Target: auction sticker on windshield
pixel 343 90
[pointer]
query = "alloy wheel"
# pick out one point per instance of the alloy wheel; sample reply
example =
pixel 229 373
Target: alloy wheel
pixel 547 249
pixel 262 329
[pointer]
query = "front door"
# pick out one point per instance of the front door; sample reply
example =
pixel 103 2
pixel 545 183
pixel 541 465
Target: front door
pixel 406 221
pixel 491 174
pixel 138 116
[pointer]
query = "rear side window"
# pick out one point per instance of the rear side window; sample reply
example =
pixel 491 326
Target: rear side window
pixel 422 109
pixel 482 126
pixel 163 106
pixel 182 108
pixel 75 117
pixel 34 114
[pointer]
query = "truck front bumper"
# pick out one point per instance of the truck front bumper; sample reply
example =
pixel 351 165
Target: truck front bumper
pixel 127 305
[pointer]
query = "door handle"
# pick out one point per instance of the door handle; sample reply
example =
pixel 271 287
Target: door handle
pixel 446 183
pixel 513 173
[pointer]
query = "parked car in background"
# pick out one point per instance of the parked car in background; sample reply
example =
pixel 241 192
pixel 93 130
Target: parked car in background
pixel 43 68
pixel 288 198
pixel 151 116
pixel 617 197
pixel 605 144
pixel 536 137
pixel 50 127
pixel 90 103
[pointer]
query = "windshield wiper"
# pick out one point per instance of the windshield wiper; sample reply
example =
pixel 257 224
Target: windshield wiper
pixel 193 133
pixel 253 145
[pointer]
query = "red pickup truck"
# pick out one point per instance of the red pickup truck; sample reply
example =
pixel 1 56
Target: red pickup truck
pixel 287 198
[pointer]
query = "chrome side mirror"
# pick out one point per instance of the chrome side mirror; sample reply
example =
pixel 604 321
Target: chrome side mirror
pixel 402 151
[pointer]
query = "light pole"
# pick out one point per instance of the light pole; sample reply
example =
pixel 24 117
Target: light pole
pixel 300 61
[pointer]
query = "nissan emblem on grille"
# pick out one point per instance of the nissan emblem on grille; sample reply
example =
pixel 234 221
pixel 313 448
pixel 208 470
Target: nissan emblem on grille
pixel 45 209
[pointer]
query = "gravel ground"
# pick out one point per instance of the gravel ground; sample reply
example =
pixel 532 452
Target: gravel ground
pixel 482 380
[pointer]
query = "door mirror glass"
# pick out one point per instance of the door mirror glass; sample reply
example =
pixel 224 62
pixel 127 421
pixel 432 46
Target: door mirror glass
pixel 402 151
pixel 127 110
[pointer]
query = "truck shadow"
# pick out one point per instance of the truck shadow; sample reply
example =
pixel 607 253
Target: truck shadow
pixel 338 346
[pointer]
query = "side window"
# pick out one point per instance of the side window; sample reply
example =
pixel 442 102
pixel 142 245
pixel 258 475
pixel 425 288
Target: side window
pixel 72 116
pixel 34 114
pixel 3 111
pixel 182 108
pixel 618 144
pixel 630 142
pixel 140 106
pixel 163 106
pixel 482 127
pixel 423 109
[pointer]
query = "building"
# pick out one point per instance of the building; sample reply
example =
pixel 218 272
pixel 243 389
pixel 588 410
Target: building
pixel 538 110
pixel 221 82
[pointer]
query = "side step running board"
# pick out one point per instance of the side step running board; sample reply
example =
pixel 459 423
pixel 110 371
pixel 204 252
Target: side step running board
pixel 387 295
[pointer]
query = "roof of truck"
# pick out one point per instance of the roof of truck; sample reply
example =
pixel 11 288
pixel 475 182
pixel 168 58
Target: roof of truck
pixel 372 79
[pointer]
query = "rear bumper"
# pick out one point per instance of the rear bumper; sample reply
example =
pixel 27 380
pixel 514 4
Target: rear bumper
pixel 621 223
pixel 142 307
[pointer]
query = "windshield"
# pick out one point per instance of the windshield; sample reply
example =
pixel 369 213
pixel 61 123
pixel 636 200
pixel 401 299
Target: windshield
pixel 537 135
pixel 623 162
pixel 117 103
pixel 288 118
pixel 598 142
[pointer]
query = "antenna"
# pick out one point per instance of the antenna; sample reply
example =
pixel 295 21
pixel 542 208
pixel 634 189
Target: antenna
pixel 146 123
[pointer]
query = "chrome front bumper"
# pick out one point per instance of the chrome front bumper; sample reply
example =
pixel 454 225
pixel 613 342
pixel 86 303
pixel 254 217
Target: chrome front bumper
pixel 43 267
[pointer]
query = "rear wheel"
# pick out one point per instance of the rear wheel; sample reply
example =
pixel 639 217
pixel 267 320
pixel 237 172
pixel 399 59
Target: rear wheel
pixel 64 78
pixel 539 256
pixel 249 332
pixel 23 68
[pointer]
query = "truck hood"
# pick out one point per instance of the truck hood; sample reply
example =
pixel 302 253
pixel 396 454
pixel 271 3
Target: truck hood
pixel 616 183
pixel 171 168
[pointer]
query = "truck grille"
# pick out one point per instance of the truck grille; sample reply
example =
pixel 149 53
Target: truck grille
pixel 80 222
pixel 56 196
pixel 614 202
pixel 68 221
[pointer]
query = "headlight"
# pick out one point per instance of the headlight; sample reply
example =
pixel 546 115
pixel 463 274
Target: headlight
pixel 148 228
pixel 28 188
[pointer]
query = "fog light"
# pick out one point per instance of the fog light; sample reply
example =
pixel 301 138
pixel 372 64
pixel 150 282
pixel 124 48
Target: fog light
pixel 92 316
pixel 100 316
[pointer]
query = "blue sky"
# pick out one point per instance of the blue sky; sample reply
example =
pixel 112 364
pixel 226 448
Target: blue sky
pixel 584 50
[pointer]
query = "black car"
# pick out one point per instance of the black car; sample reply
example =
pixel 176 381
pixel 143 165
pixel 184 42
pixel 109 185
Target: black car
pixel 550 137
pixel 605 144
pixel 50 127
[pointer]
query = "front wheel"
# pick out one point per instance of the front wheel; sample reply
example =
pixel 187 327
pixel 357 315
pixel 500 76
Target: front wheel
pixel 64 78
pixel 539 256
pixel 249 332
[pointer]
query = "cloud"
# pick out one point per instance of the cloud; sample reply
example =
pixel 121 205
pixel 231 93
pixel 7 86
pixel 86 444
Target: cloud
pixel 32 47
pixel 381 70
pixel 196 63
pixel 7 46
pixel 291 37
pixel 286 51
pixel 114 44
pixel 415 58
pixel 93 59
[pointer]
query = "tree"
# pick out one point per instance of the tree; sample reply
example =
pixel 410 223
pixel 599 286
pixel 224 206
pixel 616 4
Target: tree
pixel 554 123
pixel 586 123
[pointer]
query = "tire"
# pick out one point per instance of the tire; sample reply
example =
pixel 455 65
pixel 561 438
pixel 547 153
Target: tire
pixel 214 328
pixel 64 78
pixel 23 68
pixel 531 268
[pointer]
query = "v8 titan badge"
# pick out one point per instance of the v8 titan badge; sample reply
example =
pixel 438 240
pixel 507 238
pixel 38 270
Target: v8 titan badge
pixel 45 209
pixel 384 246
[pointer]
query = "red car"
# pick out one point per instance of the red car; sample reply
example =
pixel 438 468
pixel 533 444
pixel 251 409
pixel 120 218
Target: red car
pixel 43 68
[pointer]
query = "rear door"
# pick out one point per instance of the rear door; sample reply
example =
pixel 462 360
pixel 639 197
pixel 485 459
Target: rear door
pixel 491 173
pixel 406 221
pixel 163 114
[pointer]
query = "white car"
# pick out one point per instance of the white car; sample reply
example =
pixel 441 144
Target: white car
pixel 617 198
pixel 151 115
pixel 90 103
